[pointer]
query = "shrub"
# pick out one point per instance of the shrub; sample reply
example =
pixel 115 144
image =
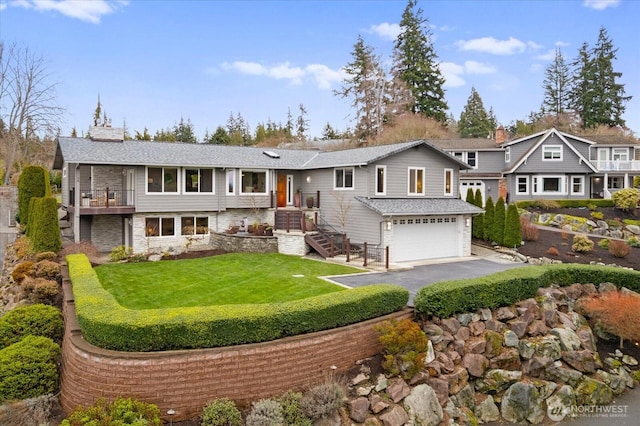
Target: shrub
pixel 545 204
pixel 499 217
pixel 553 251
pixel 23 247
pixel 626 199
pixel 529 230
pixel 477 224
pixel 619 248
pixel 122 411
pixel 120 253
pixel 634 241
pixel 489 213
pixel 614 223
pixel 22 270
pixel 29 368
pixel 46 255
pixel 36 320
pixel 604 243
pixel 592 207
pixel 81 247
pixel 597 215
pixel 221 412
pixel 405 347
pixel 582 244
pixel 512 230
pixel 49 270
pixel 291 411
pixel 45 232
pixel 33 182
pixel 265 412
pixel 41 290
pixel 321 401
pixel 618 314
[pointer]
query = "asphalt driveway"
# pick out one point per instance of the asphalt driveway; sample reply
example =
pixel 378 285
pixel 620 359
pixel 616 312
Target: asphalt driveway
pixel 419 276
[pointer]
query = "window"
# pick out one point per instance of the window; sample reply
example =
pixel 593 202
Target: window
pixel 620 154
pixel 343 178
pixel 159 226
pixel 253 182
pixel 201 225
pixel 416 181
pixel 507 154
pixel 550 185
pixel 231 182
pixel 448 181
pixel 577 185
pixel 614 182
pixel 552 153
pixel 381 178
pixel 522 185
pixel 162 179
pixel 469 157
pixel 198 180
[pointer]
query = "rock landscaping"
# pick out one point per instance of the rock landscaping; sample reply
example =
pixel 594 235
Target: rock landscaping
pixel 528 363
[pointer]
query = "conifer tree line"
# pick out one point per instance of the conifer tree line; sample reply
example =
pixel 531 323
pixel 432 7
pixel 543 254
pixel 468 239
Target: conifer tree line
pixel 499 224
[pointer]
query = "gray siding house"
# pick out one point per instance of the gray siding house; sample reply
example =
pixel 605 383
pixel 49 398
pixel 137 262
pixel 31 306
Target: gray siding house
pixel 159 196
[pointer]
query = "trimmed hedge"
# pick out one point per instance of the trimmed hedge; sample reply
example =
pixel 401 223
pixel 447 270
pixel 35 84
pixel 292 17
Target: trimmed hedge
pixel 505 288
pixel 108 325
pixel 33 182
pixel 29 368
pixel 44 228
pixel 598 202
pixel 36 320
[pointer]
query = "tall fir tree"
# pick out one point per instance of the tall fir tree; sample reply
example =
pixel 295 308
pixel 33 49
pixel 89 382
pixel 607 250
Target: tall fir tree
pixel 489 211
pixel 366 85
pixel 475 122
pixel 512 229
pixel 597 96
pixel 184 131
pixel 478 220
pixel 416 64
pixel 499 218
pixel 557 86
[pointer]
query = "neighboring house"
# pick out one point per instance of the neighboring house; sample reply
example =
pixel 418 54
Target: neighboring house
pixel 159 196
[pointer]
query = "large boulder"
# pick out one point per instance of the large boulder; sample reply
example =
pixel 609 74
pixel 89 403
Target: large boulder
pixel 487 410
pixel 358 409
pixel 584 361
pixel 593 392
pixel 522 402
pixel 559 404
pixel 569 340
pixel 495 381
pixel 423 406
pixel 395 417
pixel 476 364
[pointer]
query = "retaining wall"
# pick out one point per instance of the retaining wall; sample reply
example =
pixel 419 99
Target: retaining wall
pixel 186 381
pixel 244 243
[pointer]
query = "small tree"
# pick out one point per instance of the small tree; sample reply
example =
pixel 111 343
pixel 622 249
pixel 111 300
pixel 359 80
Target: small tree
pixel 44 230
pixel 33 182
pixel 499 218
pixel 478 220
pixel 618 313
pixel 512 229
pixel 489 211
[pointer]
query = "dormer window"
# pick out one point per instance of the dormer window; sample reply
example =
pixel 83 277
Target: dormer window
pixel 552 153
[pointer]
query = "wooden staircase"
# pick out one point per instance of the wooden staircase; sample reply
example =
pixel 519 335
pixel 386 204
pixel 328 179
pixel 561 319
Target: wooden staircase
pixel 320 243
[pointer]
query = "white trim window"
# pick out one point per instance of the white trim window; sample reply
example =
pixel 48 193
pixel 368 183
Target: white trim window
pixel 522 185
pixel 194 225
pixel 448 181
pixel 231 182
pixel 469 157
pixel 253 182
pixel 552 153
pixel 620 154
pixel 507 154
pixel 159 227
pixel 162 180
pixel 416 181
pixel 198 180
pixel 549 185
pixel 381 180
pixel 577 185
pixel 615 182
pixel 343 178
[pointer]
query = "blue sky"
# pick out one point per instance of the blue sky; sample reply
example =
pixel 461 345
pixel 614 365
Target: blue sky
pixel 153 62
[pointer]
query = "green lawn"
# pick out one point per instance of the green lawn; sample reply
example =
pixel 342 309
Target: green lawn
pixel 235 278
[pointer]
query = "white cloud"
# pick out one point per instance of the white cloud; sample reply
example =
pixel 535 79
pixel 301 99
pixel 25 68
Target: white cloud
pixel 562 44
pixel 548 56
pixel 600 4
pixel 452 74
pixel 322 75
pixel 386 31
pixel 533 45
pixel 493 46
pixel 87 11
pixel 3 6
pixel 474 67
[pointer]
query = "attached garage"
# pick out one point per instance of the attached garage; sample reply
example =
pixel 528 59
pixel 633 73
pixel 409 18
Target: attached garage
pixel 426 237
pixel 474 185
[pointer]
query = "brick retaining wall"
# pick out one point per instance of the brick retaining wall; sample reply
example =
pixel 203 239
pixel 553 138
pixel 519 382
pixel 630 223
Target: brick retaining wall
pixel 186 381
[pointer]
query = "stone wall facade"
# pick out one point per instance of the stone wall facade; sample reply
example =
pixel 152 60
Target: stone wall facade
pixel 244 243
pixel 291 243
pixel 106 232
pixel 186 381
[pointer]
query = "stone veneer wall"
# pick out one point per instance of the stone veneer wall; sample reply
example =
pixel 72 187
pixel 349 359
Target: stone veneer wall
pixel 106 232
pixel 186 381
pixel 291 243
pixel 244 243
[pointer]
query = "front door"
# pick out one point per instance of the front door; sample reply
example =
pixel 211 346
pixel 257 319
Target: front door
pixel 130 186
pixel 282 190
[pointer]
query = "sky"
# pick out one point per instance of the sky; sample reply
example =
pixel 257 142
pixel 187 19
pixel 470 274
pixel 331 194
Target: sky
pixel 155 62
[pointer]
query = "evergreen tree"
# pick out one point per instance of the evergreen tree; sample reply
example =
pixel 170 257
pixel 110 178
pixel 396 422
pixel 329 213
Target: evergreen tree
pixel 512 230
pixel 489 211
pixel 365 84
pixel 557 86
pixel 470 196
pixel 184 131
pixel 499 218
pixel 144 136
pixel 97 113
pixel 416 64
pixel 596 94
pixel 33 183
pixel 302 123
pixel 329 133
pixel 74 132
pixel 478 220
pixel 261 133
pixel 219 137
pixel 474 120
pixel 165 135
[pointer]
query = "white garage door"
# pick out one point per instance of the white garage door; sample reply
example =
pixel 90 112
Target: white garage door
pixel 474 185
pixel 428 237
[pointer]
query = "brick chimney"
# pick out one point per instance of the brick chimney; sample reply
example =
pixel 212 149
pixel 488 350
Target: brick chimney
pixel 501 135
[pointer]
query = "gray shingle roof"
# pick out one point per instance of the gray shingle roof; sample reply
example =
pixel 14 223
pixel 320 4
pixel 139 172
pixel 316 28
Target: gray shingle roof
pixel 465 144
pixel 419 206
